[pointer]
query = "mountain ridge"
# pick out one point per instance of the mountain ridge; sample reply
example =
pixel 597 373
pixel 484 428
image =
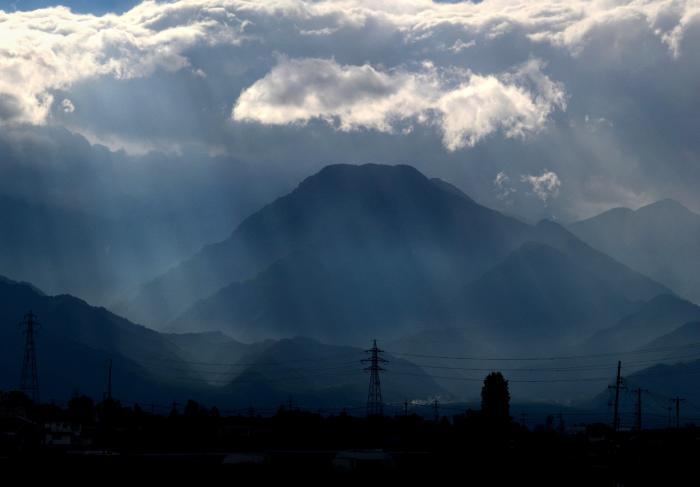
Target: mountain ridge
pixel 394 252
pixel 660 240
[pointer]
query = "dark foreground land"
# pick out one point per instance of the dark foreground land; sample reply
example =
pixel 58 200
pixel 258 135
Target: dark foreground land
pixel 469 447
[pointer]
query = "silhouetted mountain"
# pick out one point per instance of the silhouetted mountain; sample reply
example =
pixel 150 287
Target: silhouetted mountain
pixel 651 320
pixel 383 259
pixel 660 384
pixel 670 380
pixel 74 344
pixel 209 347
pixel 427 345
pixel 76 341
pixel 363 215
pixel 661 240
pixel 318 375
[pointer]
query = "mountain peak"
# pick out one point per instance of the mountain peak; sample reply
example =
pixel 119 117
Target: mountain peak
pixel 664 205
pixel 349 182
pixel 335 172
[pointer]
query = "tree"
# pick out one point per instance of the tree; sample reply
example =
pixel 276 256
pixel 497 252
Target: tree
pixel 495 398
pixel 81 409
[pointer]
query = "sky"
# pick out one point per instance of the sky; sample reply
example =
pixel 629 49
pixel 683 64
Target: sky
pixel 539 108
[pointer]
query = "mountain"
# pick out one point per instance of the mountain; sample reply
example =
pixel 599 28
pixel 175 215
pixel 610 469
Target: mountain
pixel 670 380
pixel 432 347
pixel 317 375
pixel 76 341
pixel 661 240
pixel 543 297
pixel 652 319
pixel 660 384
pixel 210 346
pixel 551 293
pixel 685 338
pixel 394 258
pixel 391 217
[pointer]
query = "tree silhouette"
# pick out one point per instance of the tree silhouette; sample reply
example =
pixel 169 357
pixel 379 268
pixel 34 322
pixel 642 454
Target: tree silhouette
pixel 495 398
pixel 81 409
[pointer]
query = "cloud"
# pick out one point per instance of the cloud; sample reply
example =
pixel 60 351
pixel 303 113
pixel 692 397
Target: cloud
pixel 166 77
pixel 502 186
pixel 465 106
pixel 52 49
pixel 67 106
pixel 545 186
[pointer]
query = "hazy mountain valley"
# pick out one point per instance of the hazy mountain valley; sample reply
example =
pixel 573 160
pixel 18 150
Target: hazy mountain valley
pixel 287 304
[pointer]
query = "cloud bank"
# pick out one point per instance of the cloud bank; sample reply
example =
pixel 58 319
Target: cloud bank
pixel 465 106
pixel 54 48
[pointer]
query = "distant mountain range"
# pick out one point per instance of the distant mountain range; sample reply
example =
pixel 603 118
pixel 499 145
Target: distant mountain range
pixel 686 336
pixel 287 304
pixel 650 320
pixel 76 341
pixel 361 251
pixel 381 222
pixel 661 240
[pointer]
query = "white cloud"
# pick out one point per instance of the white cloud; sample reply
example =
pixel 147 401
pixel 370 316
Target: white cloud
pixel 545 186
pixel 67 106
pixel 460 45
pixel 502 186
pixel 52 49
pixel 465 106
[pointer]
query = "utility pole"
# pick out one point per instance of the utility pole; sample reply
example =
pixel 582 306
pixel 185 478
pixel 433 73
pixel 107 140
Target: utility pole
pixel 638 409
pixel 29 381
pixel 677 400
pixel 405 407
pixel 375 406
pixel 109 381
pixel 562 425
pixel 616 406
pixel 436 410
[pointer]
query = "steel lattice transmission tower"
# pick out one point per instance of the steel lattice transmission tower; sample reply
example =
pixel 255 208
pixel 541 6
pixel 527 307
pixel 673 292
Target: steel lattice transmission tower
pixel 29 381
pixel 375 406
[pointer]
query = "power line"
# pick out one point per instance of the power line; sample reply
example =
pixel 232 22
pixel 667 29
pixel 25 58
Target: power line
pixel 572 368
pixel 546 358
pixel 481 379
